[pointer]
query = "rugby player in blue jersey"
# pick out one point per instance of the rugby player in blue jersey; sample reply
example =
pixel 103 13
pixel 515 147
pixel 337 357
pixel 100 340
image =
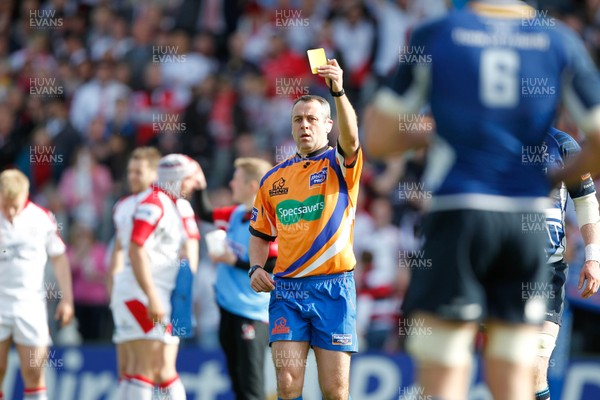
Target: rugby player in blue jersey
pixel 480 59
pixel 558 147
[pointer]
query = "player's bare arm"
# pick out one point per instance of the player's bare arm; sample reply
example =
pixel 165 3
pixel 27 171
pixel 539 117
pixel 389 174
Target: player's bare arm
pixel 62 271
pixel 141 270
pixel 589 277
pixel 346 116
pixel 117 261
pixel 258 251
pixel 384 136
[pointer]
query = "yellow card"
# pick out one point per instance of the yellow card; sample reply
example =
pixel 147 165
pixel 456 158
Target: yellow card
pixel 316 58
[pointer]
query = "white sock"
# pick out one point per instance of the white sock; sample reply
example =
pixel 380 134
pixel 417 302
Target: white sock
pixel 35 394
pixel 139 388
pixel 172 390
pixel 122 389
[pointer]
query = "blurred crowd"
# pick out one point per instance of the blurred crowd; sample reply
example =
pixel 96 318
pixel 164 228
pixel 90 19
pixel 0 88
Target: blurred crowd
pixel 84 82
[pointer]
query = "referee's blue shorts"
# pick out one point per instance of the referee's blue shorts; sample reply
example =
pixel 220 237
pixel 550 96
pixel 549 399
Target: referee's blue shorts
pixel 319 309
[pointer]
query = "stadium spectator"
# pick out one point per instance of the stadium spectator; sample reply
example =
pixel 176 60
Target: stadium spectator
pixel 37 54
pixel 96 139
pixel 71 50
pixel 393 22
pixel 261 112
pixel 84 189
pixel 140 54
pixel 64 137
pixel 87 259
pixel 114 46
pixel 226 121
pixel 236 66
pixel 181 67
pixel 33 114
pixel 255 27
pixel 12 139
pixel 354 34
pixel 96 98
pixel 37 159
pixel 123 73
pixel 153 105
pixel 122 123
pixel 5 79
pixel 282 64
pixel 378 275
pixel 302 26
pixel 212 121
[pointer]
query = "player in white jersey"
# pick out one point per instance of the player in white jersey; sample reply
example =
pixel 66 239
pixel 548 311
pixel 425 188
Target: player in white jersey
pixel 142 314
pixel 141 173
pixel 28 237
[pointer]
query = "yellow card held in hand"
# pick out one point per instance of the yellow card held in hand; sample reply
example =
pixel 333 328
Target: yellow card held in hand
pixel 316 58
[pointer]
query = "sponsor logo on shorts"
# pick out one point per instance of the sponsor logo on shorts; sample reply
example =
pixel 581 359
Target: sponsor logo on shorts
pixel 318 178
pixel 341 339
pixel 254 214
pixel 278 188
pixel 280 327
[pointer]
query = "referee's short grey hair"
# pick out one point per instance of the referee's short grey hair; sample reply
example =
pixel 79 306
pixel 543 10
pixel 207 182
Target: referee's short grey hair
pixel 312 97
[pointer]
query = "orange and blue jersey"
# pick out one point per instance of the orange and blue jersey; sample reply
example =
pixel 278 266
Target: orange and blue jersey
pixel 309 203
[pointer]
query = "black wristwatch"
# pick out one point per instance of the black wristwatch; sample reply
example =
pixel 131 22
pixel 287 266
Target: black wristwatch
pixel 337 94
pixel 252 269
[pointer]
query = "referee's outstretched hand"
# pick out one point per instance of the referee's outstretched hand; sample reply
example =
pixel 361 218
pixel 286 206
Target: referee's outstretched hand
pixel 333 74
pixel 261 281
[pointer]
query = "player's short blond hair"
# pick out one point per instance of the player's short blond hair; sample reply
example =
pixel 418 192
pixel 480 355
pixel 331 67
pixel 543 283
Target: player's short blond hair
pixel 13 183
pixel 148 153
pixel 254 168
